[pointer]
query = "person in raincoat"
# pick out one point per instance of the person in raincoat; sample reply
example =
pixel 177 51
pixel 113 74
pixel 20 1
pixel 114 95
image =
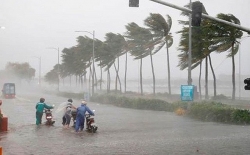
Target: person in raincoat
pixel 39 110
pixel 67 113
pixel 80 115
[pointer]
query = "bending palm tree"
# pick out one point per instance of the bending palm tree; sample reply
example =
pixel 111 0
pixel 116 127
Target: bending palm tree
pixel 161 30
pixel 226 40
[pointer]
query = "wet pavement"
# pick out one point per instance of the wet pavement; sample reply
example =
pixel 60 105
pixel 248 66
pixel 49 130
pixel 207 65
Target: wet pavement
pixel 121 132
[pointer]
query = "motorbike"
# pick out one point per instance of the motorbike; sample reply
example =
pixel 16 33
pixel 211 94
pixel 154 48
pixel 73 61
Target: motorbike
pixel 49 117
pixel 73 115
pixel 91 126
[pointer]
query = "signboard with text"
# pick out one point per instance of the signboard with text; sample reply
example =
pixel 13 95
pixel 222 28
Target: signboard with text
pixel 187 92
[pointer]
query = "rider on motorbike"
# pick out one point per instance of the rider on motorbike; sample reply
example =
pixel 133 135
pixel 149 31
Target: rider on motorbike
pixel 80 115
pixel 39 110
pixel 67 114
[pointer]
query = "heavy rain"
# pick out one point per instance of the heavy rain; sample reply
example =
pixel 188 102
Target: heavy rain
pixel 130 63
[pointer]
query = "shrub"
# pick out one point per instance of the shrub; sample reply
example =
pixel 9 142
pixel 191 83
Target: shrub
pixel 240 116
pixel 219 97
pixel 205 110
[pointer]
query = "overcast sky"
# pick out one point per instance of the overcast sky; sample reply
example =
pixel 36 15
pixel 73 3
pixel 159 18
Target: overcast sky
pixel 34 25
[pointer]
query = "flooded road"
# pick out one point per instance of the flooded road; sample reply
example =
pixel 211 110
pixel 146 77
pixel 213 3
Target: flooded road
pixel 121 132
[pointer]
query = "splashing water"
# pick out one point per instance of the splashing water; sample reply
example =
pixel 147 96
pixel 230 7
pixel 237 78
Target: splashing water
pixel 61 107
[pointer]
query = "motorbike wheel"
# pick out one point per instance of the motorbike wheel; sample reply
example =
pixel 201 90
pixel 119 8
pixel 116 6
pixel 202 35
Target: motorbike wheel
pixel 92 129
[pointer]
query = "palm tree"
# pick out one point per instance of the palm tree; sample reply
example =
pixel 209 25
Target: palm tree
pixel 67 58
pixel 98 53
pixel 226 40
pixel 116 43
pixel 202 46
pixel 139 40
pixel 77 59
pixel 106 60
pixel 85 50
pixel 161 28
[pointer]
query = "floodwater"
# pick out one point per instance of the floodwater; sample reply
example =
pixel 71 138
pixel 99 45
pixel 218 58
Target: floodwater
pixel 121 132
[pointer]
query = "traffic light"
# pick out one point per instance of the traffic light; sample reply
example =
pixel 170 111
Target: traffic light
pixel 133 3
pixel 196 13
pixel 247 82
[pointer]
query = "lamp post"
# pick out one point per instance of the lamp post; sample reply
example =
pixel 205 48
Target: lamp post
pixel 58 69
pixel 93 59
pixel 39 78
pixel 190 48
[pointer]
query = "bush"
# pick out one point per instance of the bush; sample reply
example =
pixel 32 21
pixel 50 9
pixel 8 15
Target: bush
pixel 241 116
pixel 136 103
pixel 218 112
pixel 205 111
pixel 219 97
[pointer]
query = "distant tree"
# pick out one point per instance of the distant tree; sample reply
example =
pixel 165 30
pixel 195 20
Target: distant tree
pixel 52 76
pixel 22 71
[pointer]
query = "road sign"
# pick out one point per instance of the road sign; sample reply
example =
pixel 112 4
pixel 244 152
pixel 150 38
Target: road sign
pixel 187 92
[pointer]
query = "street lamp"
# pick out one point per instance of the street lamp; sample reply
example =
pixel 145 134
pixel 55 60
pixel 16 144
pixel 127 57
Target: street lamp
pixel 93 57
pixel 2 27
pixel 58 69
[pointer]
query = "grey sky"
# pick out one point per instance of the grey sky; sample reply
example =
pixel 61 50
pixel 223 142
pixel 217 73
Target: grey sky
pixel 34 25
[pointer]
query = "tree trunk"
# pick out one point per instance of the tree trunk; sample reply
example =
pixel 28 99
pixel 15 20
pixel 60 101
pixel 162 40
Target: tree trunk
pixel 95 78
pixel 117 78
pixel 117 74
pixel 169 84
pixel 101 78
pixel 233 75
pixel 125 78
pixel 206 80
pixel 90 77
pixel 200 96
pixel 153 72
pixel 108 81
pixel 210 61
pixel 141 77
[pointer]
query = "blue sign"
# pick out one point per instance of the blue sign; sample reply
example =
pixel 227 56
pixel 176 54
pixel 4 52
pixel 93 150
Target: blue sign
pixel 187 92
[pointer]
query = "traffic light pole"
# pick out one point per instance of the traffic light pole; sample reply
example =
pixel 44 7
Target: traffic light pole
pixel 190 48
pixel 203 15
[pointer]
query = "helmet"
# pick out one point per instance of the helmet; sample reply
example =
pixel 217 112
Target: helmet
pixel 70 100
pixel 84 102
pixel 42 100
